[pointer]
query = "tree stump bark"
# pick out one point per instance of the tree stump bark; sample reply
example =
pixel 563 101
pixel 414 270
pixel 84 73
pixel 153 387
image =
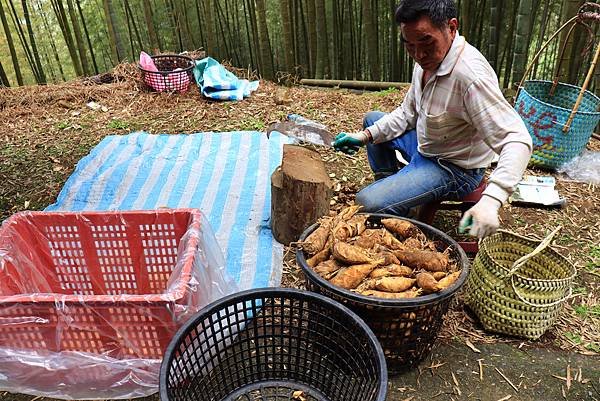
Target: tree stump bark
pixel 300 193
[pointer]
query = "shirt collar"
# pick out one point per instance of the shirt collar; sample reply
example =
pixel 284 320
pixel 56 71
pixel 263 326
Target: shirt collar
pixel 458 45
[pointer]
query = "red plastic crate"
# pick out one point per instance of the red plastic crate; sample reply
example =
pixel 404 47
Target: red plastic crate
pixel 107 283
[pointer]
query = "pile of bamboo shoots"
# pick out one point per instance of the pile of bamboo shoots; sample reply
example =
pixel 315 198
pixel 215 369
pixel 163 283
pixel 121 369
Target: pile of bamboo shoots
pixel 394 261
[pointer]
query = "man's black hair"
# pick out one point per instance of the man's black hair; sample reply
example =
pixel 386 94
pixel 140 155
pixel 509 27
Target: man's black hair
pixel 439 11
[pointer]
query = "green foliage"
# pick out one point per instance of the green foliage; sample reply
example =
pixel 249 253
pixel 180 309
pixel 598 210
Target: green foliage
pixel 252 124
pixel 593 266
pixel 118 124
pixel 574 338
pixel 183 26
pixel 63 125
pixel 585 311
pixel 386 92
pixel 594 347
pixel 580 291
pixel 595 253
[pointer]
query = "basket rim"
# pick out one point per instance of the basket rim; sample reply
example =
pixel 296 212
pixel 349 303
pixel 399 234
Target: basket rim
pixel 524 89
pixel 186 69
pixel 533 243
pixel 383 302
pixel 177 292
pixel 271 292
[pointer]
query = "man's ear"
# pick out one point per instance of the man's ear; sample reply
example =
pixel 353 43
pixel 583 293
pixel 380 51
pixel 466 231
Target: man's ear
pixel 453 24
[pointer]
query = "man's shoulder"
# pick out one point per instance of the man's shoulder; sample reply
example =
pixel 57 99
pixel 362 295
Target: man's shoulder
pixel 472 65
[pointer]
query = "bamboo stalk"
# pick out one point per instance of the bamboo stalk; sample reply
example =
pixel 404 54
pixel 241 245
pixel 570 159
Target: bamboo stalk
pixel 537 55
pixel 354 84
pixel 582 91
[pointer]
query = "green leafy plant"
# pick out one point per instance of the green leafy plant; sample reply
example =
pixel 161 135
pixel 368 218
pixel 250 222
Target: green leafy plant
pixel 595 347
pixel 593 265
pixel 584 310
pixel 118 124
pixel 580 291
pixel 574 338
pixel 252 124
pixel 63 125
pixel 386 92
pixel 595 254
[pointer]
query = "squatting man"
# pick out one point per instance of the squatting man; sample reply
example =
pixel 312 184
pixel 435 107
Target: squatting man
pixel 450 125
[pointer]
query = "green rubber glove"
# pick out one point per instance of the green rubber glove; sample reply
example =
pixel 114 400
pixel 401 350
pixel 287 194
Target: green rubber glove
pixel 465 224
pixel 350 143
pixel 482 219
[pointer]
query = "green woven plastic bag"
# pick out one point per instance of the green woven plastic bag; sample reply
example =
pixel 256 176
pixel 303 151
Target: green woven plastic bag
pixel 517 285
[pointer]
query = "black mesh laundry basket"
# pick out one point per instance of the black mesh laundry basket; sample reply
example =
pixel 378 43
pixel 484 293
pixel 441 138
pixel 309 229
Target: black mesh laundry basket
pixel 406 328
pixel 274 345
pixel 175 73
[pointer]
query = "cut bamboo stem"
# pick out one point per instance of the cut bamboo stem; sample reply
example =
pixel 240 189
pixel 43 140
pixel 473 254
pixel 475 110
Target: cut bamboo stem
pixel 372 85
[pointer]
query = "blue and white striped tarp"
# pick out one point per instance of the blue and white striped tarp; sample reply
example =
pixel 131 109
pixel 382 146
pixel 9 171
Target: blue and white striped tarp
pixel 226 175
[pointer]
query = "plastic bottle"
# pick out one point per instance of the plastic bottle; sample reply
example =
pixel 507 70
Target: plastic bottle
pixel 298 119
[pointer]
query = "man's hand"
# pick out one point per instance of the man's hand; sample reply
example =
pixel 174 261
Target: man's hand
pixel 350 142
pixel 482 219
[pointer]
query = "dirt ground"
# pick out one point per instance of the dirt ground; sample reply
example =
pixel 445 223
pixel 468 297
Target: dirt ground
pixel 45 130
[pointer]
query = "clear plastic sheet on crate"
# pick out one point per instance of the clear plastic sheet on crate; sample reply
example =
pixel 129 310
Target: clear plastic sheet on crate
pixel 89 301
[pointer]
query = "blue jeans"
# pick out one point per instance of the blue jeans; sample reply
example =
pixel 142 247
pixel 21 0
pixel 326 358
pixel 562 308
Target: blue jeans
pixel 423 180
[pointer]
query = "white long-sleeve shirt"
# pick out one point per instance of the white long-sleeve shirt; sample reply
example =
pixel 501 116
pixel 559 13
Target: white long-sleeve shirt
pixel 460 115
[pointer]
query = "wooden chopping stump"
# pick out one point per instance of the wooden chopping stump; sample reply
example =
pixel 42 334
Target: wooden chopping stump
pixel 300 193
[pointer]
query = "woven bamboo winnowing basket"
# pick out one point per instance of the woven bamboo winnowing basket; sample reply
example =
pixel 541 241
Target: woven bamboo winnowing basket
pixel 517 285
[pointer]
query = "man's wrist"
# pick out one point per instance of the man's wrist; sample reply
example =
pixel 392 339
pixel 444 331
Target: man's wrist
pixel 495 191
pixel 491 201
pixel 368 135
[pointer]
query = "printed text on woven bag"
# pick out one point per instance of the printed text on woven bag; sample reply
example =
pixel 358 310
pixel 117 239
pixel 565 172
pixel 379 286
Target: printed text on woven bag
pixel 539 123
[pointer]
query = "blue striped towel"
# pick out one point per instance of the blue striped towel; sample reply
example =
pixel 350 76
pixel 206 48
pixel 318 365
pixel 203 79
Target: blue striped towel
pixel 226 175
pixel 215 82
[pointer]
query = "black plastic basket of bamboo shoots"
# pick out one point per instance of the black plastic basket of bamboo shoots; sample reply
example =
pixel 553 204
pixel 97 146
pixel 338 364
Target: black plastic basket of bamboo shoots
pixel 403 299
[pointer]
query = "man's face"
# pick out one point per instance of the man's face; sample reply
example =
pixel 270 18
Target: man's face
pixel 426 43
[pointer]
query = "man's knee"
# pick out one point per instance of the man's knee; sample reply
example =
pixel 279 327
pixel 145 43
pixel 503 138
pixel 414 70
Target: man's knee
pixel 367 202
pixel 371 202
pixel 371 117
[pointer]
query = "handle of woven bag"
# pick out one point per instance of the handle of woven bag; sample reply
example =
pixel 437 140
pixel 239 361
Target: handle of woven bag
pixel 539 53
pixel 563 299
pixel 543 245
pixel 522 260
pixel 583 89
pixel 588 12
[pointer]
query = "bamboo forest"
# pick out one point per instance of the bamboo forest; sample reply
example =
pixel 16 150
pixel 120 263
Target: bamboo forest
pixel 45 41
pixel 299 200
